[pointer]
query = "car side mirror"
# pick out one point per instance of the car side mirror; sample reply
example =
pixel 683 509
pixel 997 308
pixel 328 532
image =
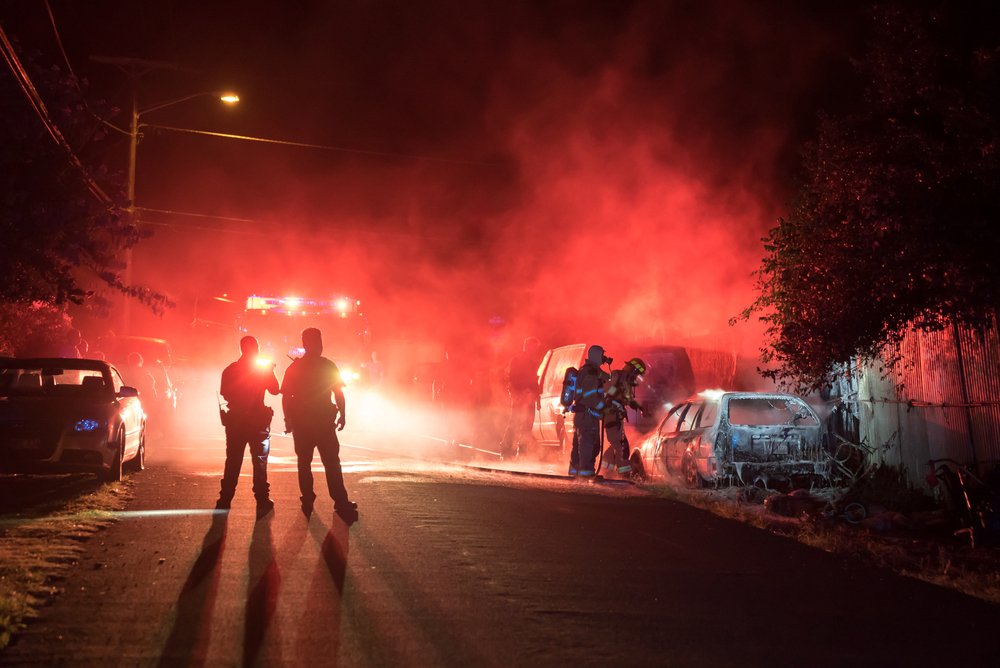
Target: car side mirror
pixel 127 391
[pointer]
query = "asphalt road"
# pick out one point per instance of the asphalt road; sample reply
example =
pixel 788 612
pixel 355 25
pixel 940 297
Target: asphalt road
pixel 449 567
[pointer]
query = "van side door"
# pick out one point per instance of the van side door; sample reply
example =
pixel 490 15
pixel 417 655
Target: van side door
pixel 551 424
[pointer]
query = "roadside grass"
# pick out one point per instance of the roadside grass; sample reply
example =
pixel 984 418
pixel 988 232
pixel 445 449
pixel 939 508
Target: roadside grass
pixel 38 546
pixel 937 558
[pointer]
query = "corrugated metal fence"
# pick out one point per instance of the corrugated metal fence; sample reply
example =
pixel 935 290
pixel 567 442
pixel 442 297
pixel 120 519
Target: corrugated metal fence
pixel 941 400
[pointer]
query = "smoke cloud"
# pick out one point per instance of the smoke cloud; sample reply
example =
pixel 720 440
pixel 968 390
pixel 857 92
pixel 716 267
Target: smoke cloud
pixel 596 172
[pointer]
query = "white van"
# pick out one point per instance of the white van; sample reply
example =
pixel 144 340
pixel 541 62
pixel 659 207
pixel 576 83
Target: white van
pixel 553 428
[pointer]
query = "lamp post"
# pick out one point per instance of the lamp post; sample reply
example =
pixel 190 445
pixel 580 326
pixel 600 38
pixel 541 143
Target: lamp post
pixel 136 125
pixel 135 128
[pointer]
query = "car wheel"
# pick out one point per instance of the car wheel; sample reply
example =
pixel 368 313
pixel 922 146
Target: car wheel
pixel 638 470
pixel 115 471
pixel 689 471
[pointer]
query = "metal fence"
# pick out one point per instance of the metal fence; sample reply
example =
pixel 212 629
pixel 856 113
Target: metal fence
pixel 941 400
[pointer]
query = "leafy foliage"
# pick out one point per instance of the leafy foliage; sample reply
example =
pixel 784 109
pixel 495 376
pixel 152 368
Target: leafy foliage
pixel 32 330
pixel 896 220
pixel 57 234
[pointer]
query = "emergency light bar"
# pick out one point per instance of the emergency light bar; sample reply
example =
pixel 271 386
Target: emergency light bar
pixel 302 306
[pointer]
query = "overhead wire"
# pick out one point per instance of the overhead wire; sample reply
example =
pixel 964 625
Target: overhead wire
pixel 38 105
pixel 69 67
pixel 194 215
pixel 324 147
pixel 55 31
pixel 76 81
pixel 328 232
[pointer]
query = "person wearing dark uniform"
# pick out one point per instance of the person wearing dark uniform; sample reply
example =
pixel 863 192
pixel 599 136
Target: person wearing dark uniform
pixel 522 385
pixel 247 421
pixel 314 422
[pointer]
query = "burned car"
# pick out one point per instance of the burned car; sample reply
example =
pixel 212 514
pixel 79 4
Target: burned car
pixel 744 438
pixel 65 414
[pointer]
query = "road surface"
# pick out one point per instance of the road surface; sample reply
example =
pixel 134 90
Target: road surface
pixel 451 567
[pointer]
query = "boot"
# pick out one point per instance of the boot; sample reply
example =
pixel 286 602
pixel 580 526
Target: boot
pixel 348 512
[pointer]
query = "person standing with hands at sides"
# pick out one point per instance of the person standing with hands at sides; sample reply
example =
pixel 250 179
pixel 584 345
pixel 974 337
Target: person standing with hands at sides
pixel 522 385
pixel 247 421
pixel 314 421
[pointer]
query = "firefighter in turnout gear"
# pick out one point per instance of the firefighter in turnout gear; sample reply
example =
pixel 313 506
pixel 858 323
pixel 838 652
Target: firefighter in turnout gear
pixel 619 396
pixel 588 407
pixel 247 421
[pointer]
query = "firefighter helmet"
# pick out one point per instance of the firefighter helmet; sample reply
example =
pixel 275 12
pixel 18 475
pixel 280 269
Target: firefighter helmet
pixel 638 366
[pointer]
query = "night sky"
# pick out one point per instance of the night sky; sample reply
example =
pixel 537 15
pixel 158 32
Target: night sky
pixel 573 168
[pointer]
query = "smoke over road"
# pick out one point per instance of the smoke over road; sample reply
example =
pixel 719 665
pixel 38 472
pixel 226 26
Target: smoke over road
pixel 576 171
pixel 607 172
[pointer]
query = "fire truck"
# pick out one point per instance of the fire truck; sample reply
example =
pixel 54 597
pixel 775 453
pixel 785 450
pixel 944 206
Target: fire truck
pixel 277 323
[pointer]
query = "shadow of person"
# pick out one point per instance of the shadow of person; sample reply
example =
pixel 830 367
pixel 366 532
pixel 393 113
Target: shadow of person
pixel 323 605
pixel 263 585
pixel 188 642
pixel 333 547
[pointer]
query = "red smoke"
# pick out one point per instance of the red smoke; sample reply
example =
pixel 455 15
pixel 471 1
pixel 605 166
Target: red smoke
pixel 615 173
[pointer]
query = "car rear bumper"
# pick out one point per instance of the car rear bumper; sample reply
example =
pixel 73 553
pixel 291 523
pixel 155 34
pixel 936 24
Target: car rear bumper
pixel 72 451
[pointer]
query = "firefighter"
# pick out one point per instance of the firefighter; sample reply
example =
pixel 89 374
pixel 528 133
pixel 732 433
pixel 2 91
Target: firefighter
pixel 247 421
pixel 524 391
pixel 314 422
pixel 619 396
pixel 588 407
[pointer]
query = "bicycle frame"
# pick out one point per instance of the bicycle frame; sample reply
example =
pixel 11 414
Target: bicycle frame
pixel 955 476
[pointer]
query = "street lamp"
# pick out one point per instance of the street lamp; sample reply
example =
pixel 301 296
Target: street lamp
pixel 226 97
pixel 136 125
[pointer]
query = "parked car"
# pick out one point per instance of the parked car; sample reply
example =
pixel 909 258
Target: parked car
pixel 64 414
pixel 737 437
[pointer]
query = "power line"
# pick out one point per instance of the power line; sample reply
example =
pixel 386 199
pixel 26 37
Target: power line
pixel 194 215
pixel 55 31
pixel 324 147
pixel 38 105
pixel 326 234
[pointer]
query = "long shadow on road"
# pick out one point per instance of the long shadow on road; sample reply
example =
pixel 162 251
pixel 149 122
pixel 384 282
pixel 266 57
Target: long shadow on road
pixel 262 597
pixel 189 640
pixel 324 601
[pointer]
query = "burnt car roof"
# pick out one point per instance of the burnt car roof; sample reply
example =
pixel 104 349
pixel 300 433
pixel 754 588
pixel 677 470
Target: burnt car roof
pixel 744 395
pixel 61 362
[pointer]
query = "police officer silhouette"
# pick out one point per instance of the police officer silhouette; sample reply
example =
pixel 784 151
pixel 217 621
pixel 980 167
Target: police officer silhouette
pixel 314 422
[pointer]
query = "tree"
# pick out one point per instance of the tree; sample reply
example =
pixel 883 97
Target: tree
pixel 63 216
pixel 896 220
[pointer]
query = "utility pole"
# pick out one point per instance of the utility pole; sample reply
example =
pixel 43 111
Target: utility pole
pixel 134 68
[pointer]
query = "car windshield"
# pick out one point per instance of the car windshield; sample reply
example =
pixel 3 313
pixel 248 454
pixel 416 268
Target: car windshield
pixel 36 380
pixel 758 411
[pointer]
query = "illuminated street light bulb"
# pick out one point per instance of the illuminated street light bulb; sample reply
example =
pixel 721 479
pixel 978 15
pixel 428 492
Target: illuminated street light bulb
pixel 230 98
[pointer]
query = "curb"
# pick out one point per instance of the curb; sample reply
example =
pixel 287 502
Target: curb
pixel 552 476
